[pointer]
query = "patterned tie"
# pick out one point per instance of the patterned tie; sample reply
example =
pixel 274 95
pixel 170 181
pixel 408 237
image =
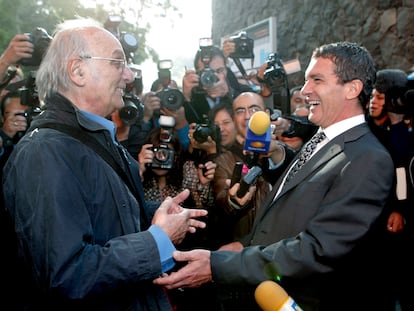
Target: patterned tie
pixel 306 152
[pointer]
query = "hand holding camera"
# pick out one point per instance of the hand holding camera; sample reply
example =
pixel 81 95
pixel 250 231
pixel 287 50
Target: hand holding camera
pixel 151 103
pixel 190 80
pixel 19 47
pixel 15 122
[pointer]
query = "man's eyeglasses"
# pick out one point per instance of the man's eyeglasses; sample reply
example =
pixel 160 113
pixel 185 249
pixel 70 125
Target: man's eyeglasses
pixel 118 62
pixel 251 110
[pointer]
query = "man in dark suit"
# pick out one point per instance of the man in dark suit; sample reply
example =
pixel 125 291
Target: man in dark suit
pixel 318 229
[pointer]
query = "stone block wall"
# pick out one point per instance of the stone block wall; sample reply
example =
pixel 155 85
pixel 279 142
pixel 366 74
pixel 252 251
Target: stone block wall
pixel 384 27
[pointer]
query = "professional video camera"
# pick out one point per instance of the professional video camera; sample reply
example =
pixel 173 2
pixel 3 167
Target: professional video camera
pixel 170 98
pixel 244 46
pixel 207 76
pixel 205 129
pixel 41 40
pixel 164 156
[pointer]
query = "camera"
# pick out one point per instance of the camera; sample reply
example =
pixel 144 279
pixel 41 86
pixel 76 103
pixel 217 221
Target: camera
pixel 41 40
pixel 133 110
pixel 164 156
pixel 170 98
pixel 205 129
pixel 29 114
pixel 207 76
pixel 274 70
pixel 128 41
pixel 243 46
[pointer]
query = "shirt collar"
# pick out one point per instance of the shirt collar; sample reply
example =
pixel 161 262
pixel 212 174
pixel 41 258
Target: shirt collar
pixel 342 126
pixel 109 125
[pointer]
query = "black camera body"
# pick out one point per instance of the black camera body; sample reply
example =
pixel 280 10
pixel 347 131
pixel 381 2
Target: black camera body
pixel 29 114
pixel 133 110
pixel 40 40
pixel 128 41
pixel 274 70
pixel 207 76
pixel 171 98
pixel 203 130
pixel 163 157
pixel 244 46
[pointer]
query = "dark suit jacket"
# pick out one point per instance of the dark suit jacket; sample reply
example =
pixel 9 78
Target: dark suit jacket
pixel 320 232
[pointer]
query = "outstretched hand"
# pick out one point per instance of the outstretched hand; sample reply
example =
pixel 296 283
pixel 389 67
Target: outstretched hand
pixel 196 272
pixel 175 220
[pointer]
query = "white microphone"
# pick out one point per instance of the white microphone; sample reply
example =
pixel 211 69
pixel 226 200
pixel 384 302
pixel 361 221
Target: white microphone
pixel 270 296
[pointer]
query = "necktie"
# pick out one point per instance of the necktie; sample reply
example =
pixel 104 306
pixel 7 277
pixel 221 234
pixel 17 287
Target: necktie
pixel 306 153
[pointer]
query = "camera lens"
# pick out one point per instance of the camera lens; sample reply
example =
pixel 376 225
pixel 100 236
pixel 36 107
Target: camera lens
pixel 161 155
pixel 170 98
pixel 132 110
pixel 208 78
pixel 201 133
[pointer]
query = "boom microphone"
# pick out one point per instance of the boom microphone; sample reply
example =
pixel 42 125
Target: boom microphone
pixel 258 134
pixel 270 296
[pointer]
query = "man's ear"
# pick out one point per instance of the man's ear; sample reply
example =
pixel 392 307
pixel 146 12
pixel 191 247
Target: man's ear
pixel 354 88
pixel 76 71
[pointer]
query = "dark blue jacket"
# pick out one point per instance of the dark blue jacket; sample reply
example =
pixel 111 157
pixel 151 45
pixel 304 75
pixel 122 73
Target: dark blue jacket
pixel 79 227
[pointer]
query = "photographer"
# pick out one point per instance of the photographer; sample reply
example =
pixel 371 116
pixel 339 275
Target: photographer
pixel 166 99
pixel 14 123
pixel 166 172
pixel 201 96
pixel 388 111
pixel 19 48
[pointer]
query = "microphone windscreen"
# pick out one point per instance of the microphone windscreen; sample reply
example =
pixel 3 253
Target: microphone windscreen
pixel 259 122
pixel 270 296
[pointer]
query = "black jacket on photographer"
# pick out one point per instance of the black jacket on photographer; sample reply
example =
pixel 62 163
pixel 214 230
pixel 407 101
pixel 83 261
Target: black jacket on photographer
pixel 200 104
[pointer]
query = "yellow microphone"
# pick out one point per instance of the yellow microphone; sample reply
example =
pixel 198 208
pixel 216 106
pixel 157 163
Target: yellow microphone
pixel 258 134
pixel 270 296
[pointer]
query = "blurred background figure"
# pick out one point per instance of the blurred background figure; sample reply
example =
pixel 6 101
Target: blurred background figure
pixel 297 99
pixel 389 115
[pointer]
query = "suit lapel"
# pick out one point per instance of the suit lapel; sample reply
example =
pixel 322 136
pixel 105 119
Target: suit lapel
pixel 330 150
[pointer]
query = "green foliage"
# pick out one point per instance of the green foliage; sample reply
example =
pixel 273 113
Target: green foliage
pixel 22 16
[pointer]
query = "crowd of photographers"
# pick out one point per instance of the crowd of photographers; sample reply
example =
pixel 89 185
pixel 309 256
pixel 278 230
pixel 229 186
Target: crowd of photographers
pixel 178 136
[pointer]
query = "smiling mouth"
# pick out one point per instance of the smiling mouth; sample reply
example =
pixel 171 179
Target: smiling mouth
pixel 313 102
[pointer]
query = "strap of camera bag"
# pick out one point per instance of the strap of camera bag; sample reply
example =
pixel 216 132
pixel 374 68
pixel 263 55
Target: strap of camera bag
pixel 97 147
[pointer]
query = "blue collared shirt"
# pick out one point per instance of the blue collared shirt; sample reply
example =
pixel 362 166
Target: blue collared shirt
pixel 164 244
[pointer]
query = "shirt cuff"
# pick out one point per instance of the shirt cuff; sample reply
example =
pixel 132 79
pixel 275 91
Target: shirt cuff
pixel 165 247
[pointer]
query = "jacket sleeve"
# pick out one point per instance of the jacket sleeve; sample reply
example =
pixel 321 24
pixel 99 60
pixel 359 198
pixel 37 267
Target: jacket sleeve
pixel 77 223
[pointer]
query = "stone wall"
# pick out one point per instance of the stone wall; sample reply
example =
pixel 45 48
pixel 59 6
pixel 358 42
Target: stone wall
pixel 384 27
